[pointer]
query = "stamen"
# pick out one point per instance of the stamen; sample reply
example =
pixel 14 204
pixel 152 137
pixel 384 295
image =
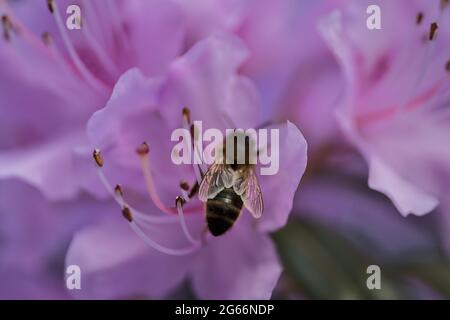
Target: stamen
pixel 117 18
pixel 126 212
pixel 184 188
pixel 98 158
pixel 103 57
pixel 433 31
pixel 447 66
pixel 186 115
pixel 150 242
pixel 47 38
pixel 86 74
pixel 419 18
pixel 117 194
pixel 6 24
pixel 184 185
pixel 118 190
pixel 50 5
pixel 179 203
pixel 444 4
pixel 33 41
pixel 143 152
pixel 199 169
pixel 429 50
pixel 143 149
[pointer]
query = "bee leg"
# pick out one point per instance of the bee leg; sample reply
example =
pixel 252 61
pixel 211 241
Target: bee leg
pixel 194 190
pixel 188 192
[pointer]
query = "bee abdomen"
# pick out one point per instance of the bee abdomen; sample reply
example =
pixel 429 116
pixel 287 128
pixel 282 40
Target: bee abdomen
pixel 223 211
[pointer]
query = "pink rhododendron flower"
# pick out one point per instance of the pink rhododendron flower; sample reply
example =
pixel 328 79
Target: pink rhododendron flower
pixel 35 234
pixel 87 175
pixel 66 76
pixel 241 264
pixel 398 89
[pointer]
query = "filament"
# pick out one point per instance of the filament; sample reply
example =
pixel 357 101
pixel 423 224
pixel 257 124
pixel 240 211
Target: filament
pixel 163 249
pixel 123 204
pixel 103 57
pixel 95 83
pixel 179 203
pixel 199 169
pixel 146 169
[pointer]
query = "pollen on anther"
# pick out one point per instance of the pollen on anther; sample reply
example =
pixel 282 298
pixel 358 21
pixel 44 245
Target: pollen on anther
pixel 47 38
pixel 98 158
pixel 433 31
pixel 184 185
pixel 126 212
pixel 447 66
pixel 143 149
pixel 51 6
pixel 187 115
pixel 419 18
pixel 118 190
pixel 6 24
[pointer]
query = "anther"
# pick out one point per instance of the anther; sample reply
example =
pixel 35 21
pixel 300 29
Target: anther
pixel 433 31
pixel 419 18
pixel 187 115
pixel 126 212
pixel 184 185
pixel 118 190
pixel 447 66
pixel 444 4
pixel 143 149
pixel 51 6
pixel 6 24
pixel 98 158
pixel 179 201
pixel 46 38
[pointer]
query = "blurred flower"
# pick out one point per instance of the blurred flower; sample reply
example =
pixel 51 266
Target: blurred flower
pixel 66 76
pixel 289 61
pixel 396 106
pixel 34 236
pixel 241 264
pixel 53 80
pixel 139 69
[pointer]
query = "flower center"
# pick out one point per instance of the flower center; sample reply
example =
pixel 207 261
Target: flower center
pixel 138 220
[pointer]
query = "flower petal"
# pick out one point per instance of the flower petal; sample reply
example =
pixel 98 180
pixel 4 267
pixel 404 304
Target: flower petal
pixel 278 190
pixel 116 263
pixel 366 218
pixel 242 264
pixel 50 167
pixel 206 80
pixel 405 196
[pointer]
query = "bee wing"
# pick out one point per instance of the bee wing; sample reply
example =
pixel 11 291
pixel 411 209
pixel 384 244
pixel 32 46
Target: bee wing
pixel 215 180
pixel 247 186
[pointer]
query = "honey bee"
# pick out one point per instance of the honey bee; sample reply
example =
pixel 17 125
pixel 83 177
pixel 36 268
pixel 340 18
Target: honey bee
pixel 227 187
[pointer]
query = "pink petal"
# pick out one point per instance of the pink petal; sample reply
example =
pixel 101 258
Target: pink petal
pixel 278 190
pixel 242 264
pixel 116 263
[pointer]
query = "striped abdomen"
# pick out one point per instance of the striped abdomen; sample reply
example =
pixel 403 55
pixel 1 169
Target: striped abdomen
pixel 223 211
